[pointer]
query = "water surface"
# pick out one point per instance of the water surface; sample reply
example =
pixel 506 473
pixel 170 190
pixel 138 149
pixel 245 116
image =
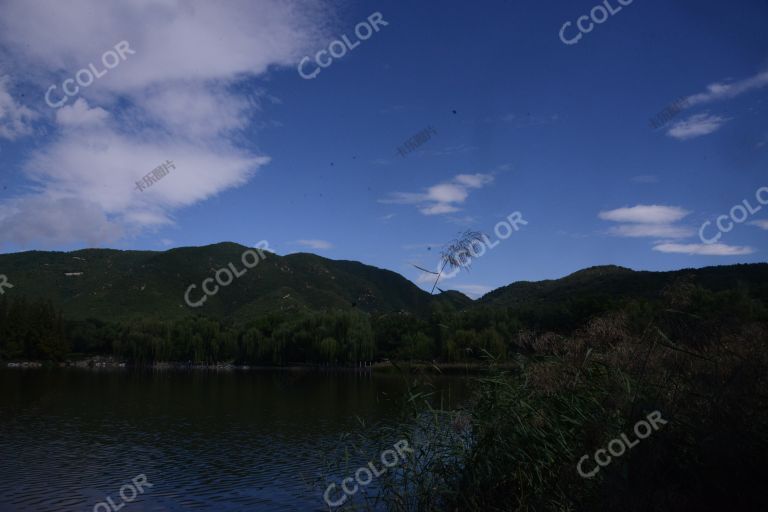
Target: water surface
pixel 236 440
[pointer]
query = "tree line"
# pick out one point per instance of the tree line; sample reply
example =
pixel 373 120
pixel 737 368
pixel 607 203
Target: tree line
pixel 34 330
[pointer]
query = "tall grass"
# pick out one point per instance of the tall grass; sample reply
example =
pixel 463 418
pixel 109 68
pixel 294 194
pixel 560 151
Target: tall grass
pixel 516 446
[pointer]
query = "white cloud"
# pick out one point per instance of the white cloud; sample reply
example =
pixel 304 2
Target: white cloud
pixel 315 244
pixel 80 114
pixel 180 97
pixel 474 180
pixel 56 220
pixel 652 230
pixel 15 119
pixel 695 126
pixel 648 221
pixel 198 111
pixel 425 278
pixel 761 223
pixel 174 40
pixel 439 209
pixel 719 91
pixel 474 291
pixel 704 249
pixel 645 214
pixel 101 166
pixel 444 197
pixel 447 193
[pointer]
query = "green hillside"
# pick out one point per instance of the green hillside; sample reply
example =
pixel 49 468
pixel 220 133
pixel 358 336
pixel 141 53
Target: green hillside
pixel 303 308
pixel 114 285
pixel 125 285
pixel 616 282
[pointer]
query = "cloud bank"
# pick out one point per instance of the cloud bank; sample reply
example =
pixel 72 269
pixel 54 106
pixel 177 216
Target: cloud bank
pixel 444 197
pixel 177 98
pixel 657 221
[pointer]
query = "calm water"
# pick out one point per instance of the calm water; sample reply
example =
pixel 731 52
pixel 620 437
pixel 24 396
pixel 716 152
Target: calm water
pixel 205 440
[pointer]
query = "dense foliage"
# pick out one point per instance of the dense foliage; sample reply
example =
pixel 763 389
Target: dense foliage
pixel 578 373
pixel 698 359
pixel 136 286
pixel 35 330
pixel 31 330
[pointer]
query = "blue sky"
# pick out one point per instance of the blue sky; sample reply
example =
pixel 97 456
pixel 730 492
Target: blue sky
pixel 522 121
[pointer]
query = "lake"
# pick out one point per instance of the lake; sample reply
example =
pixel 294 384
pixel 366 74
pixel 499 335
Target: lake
pixel 205 440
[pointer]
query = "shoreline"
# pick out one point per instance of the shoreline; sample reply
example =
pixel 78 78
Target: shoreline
pixel 368 367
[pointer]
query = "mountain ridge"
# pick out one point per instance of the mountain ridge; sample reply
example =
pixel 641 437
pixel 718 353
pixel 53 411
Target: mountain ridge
pixel 116 284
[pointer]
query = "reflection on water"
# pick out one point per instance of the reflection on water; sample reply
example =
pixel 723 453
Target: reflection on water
pixel 205 440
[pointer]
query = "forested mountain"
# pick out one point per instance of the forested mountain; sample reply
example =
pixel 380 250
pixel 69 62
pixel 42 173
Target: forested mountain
pixel 308 309
pixel 123 285
pixel 614 282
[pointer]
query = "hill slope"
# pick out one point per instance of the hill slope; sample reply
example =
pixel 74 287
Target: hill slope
pixel 619 282
pixel 127 285
pixel 123 285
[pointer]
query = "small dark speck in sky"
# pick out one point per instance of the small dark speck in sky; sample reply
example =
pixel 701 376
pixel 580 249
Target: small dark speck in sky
pixel 454 111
